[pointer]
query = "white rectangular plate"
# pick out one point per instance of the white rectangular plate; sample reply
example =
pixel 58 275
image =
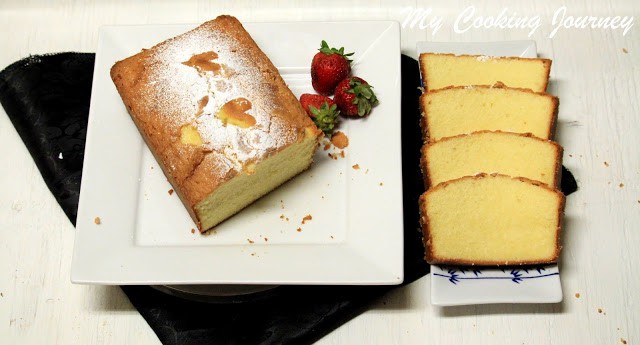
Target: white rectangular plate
pixel 469 285
pixel 144 235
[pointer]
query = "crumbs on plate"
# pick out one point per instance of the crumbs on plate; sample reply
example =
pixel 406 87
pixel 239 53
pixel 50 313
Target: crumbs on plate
pixel 340 140
pixel 97 220
pixel 306 218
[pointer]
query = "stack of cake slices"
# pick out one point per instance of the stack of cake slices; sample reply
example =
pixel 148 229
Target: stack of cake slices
pixel 490 165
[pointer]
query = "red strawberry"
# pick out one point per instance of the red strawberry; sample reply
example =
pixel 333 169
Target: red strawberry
pixel 328 67
pixel 355 97
pixel 322 110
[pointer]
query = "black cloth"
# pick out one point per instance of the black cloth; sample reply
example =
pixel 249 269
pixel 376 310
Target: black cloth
pixel 47 99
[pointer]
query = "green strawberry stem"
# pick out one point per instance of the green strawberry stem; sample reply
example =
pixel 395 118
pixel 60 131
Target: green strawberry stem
pixel 365 98
pixel 325 118
pixel 325 49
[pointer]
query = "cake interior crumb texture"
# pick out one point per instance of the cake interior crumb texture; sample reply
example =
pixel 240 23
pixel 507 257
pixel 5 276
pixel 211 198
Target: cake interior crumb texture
pixel 442 70
pixel 246 188
pixel 459 110
pixel 512 154
pixel 492 220
pixel 218 118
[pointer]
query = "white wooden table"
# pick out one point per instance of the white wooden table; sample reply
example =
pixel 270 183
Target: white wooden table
pixel 597 74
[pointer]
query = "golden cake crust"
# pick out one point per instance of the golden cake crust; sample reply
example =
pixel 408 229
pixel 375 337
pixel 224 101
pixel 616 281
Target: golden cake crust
pixel 424 164
pixel 430 256
pixel 210 105
pixel 423 111
pixel 423 73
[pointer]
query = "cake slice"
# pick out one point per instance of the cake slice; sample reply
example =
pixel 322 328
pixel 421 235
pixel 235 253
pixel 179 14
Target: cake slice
pixel 518 155
pixel 460 110
pixel 217 116
pixel 491 220
pixel 442 70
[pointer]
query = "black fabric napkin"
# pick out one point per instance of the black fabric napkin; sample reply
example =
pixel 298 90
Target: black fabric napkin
pixel 47 99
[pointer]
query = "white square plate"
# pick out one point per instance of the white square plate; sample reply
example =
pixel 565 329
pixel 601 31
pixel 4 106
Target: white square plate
pixel 469 285
pixel 144 235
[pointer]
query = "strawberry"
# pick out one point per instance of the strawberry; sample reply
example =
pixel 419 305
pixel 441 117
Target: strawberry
pixel 355 97
pixel 322 110
pixel 328 67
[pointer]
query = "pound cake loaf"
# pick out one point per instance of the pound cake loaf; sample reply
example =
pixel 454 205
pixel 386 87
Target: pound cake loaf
pixel 442 70
pixel 459 110
pixel 513 154
pixel 217 116
pixel 491 219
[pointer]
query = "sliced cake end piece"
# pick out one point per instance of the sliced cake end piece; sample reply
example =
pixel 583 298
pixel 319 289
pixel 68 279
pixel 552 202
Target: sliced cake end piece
pixel 491 220
pixel 513 154
pixel 460 110
pixel 442 70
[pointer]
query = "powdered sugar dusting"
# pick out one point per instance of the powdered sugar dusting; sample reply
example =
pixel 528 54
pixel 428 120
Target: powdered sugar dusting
pixel 173 92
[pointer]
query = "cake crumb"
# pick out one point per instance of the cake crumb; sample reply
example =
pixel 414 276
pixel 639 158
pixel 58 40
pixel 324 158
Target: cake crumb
pixel 340 140
pixel 282 204
pixel 282 216
pixel 570 155
pixel 331 236
pixel 577 295
pixel 266 239
pixel 1 295
pixel 355 167
pixel 250 241
pixel 366 171
pixel 624 50
pixel 97 220
pixel 621 185
pixel 253 254
pixel 170 191
pixel 606 164
pixel 623 340
pixel 327 146
pixel 299 229
pixel 600 310
pixel 193 231
pixel 306 218
pixel 342 153
pixel 381 184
